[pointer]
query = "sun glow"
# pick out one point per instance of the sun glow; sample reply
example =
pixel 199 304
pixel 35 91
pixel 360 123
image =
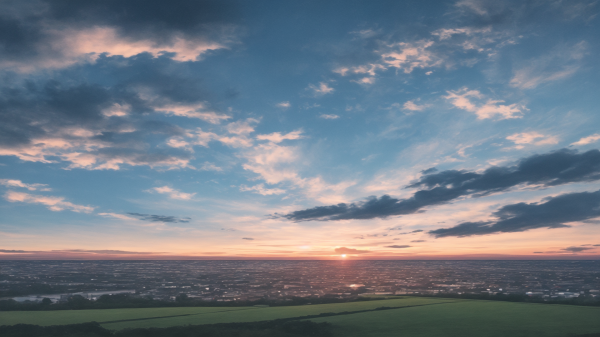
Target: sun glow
pixel 343 256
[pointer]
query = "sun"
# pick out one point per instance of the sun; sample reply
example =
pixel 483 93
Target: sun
pixel 344 256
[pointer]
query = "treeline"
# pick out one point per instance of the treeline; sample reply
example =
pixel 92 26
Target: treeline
pixel 275 328
pixel 581 300
pixel 120 301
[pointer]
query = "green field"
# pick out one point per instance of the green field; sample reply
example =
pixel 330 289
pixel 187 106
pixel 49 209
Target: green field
pixel 414 317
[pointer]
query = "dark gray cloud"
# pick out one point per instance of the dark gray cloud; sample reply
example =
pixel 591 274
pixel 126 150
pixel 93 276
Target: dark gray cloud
pixel 554 212
pixel 398 246
pixel 550 169
pixel 51 109
pixel 250 239
pixel 574 249
pixel 14 251
pixel 344 250
pixel 28 28
pixel 417 231
pixel 418 240
pixel 160 218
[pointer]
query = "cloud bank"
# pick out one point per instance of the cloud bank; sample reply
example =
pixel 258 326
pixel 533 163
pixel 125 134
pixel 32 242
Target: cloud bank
pixel 555 212
pixel 550 169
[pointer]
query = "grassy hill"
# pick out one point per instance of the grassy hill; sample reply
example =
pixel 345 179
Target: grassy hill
pixel 406 316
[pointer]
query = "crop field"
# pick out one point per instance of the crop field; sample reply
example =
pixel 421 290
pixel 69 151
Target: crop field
pixel 406 316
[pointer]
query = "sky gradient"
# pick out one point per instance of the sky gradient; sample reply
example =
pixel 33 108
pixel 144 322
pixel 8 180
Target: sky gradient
pixel 188 129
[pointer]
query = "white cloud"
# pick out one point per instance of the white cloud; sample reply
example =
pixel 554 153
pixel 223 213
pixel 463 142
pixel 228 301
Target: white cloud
pixel 81 150
pixel 326 116
pixel 483 108
pixel 117 216
pixel 208 166
pixel 588 140
pixel 408 56
pixel 261 189
pixel 322 89
pixel 69 46
pixel 277 137
pixel 19 183
pixel 192 111
pixel 283 105
pixel 52 203
pixel 532 138
pixel 476 6
pixel 242 127
pixel 447 33
pixel 556 65
pixel 412 106
pixel 172 193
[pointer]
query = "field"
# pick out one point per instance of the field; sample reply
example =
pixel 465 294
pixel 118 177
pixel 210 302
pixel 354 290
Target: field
pixel 411 316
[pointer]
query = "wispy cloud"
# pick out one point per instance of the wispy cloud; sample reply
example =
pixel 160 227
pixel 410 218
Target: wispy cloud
pixel 160 218
pixel 412 106
pixel 261 189
pixel 172 193
pixel 321 89
pixel 588 140
pixel 532 138
pixel 19 183
pixel 284 105
pixel 326 116
pixel 52 203
pixel 277 137
pixel 476 102
pixel 344 250
pixel 556 65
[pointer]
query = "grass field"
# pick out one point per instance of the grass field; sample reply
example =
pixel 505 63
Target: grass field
pixel 414 317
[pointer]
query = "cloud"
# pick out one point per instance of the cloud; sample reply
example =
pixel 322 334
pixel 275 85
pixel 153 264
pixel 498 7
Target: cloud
pixel 554 212
pixel 576 249
pixel 192 111
pixel 483 108
pixel 172 193
pixel 68 123
pixel 261 189
pixel 14 251
pixel 52 203
pixel 555 65
pixel 550 169
pixel 283 105
pixel 418 240
pixel 417 231
pixel 344 250
pixel 207 166
pixel 588 140
pixel 277 137
pixel 412 106
pixel 399 246
pixel 408 56
pixel 19 183
pixel 322 89
pixel 532 138
pixel 325 116
pixel 117 216
pixel 160 218
pixel 249 239
pixel 54 34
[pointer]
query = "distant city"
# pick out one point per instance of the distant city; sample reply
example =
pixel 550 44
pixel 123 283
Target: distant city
pixel 225 281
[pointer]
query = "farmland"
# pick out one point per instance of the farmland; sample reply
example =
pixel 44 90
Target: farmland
pixel 411 316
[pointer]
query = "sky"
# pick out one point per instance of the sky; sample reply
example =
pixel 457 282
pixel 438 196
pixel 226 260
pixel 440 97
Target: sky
pixel 146 129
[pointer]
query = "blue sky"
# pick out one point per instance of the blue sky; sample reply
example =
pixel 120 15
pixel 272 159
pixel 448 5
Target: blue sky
pixel 299 129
